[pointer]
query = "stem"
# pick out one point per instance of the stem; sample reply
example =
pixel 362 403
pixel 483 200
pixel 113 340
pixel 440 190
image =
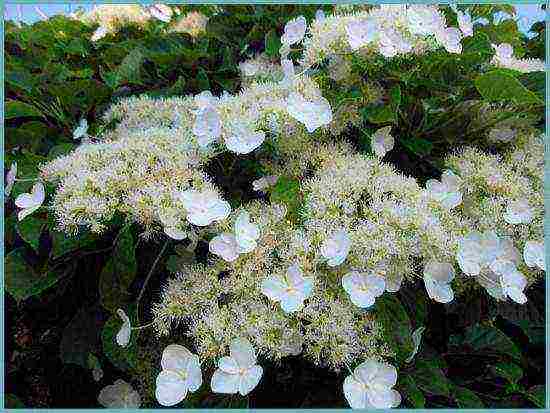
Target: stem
pixel 143 326
pixel 149 277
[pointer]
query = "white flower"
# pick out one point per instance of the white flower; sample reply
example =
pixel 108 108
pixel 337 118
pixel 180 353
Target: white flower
pixel 319 15
pixel 336 248
pixel 225 245
pixel 450 39
pixel 82 129
pixel 124 334
pixel 506 253
pixel 264 182
pixel 313 114
pixel 290 290
pixel 204 207
pixel 465 23
pixel 476 251
pixel 371 386
pixel 246 233
pixel 382 141
pixel 100 32
pixel 181 372
pixel 361 33
pixel 97 373
pixel 242 139
pixel 161 12
pixel 437 279
pixel 533 254
pixel 10 178
pixel 30 202
pixel 392 43
pixel 424 19
pixel 119 395
pixel 518 212
pixel 445 192
pixel 249 68
pixel 239 372
pixel 513 283
pixel 175 233
pixel 288 71
pixel 362 288
pixel 295 30
pixel 208 126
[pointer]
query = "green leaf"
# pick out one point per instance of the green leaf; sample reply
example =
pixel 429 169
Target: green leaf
pixel 124 358
pixel 16 109
pixel 498 85
pixel 430 378
pixel 202 79
pixel 119 271
pixel 11 401
pixel 418 146
pixel 537 394
pixel 63 243
pixel 22 281
pixel 466 399
pixel 396 323
pixel 287 191
pixel 486 338
pixel 60 150
pixel 379 114
pixel 272 44
pixel 533 330
pixel 411 392
pixel 81 336
pixel 395 96
pixel 30 229
pixel 510 371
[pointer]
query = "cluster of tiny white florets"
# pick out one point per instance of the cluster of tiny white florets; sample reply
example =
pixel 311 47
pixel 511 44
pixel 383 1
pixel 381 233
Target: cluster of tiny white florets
pixel 281 288
pixel 193 23
pixel 504 57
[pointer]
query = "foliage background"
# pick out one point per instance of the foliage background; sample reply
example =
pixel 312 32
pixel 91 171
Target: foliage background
pixel 62 292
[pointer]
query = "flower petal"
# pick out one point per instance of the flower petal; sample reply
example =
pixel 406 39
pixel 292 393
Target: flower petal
pixel 171 388
pixel 250 379
pixel 175 357
pixel 243 352
pixel 223 382
pixel 355 394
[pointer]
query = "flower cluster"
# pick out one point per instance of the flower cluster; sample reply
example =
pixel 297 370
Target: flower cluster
pixel 504 57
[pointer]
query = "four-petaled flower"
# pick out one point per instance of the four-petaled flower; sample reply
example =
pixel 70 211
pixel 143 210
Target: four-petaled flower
pixel 371 386
pixel 204 207
pixel 181 372
pixel 294 32
pixel 512 282
pixel 242 139
pixel 336 248
pixel 239 372
pixel 518 212
pixel 382 141
pixel 290 289
pixel 363 288
pixel 313 114
pixel 465 23
pixel 224 245
pixel 447 191
pixel 30 202
pixel 476 251
pixel 437 279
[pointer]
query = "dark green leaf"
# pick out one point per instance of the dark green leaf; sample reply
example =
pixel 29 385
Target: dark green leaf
pixel 272 44
pixel 124 358
pixel 510 371
pixel 16 109
pixel 63 243
pixel 430 378
pixel 498 86
pixel 409 390
pixel 119 272
pixel 397 326
pixel 537 394
pixel 486 338
pixel 30 229
pixel 418 146
pixel 287 191
pixel 466 399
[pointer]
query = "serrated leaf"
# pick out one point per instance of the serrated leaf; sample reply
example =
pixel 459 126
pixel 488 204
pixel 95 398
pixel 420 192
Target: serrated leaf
pixel 466 399
pixel 63 243
pixel 396 323
pixel 119 272
pixel 409 390
pixel 21 280
pixel 510 371
pixel 430 378
pixel 498 86
pixel 30 229
pixel 482 338
pixel 16 109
